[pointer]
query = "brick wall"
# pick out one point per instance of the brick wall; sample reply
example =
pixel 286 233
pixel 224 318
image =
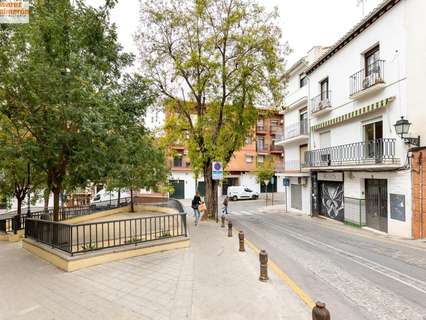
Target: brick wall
pixel 419 194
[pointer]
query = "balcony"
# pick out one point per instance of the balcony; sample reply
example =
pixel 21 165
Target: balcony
pixel 262 148
pixel 321 104
pixel 295 168
pixel 367 80
pixel 275 129
pixel 178 163
pixel 295 132
pixel 261 129
pixel 277 148
pixel 373 154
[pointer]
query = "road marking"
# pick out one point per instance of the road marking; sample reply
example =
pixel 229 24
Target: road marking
pixel 405 279
pixel 284 277
pixel 242 213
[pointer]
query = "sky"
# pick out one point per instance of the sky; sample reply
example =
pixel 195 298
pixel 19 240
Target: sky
pixel 305 23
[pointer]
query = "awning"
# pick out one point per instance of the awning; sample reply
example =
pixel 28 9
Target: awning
pixel 354 114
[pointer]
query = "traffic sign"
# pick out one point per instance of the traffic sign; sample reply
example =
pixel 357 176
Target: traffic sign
pixel 217 170
pixel 286 182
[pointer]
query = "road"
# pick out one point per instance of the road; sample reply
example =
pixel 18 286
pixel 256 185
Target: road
pixel 360 275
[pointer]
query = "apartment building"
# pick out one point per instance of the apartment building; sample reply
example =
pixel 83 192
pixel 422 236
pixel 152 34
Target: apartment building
pixel 241 170
pixel 295 136
pixel 359 161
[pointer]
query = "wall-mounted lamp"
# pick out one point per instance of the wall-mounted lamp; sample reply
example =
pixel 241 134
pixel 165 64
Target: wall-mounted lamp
pixel 402 128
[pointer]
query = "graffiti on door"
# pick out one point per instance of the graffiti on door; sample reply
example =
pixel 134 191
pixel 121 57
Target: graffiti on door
pixel 332 200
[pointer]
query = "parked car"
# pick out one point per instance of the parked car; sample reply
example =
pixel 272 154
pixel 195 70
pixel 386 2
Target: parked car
pixel 106 198
pixel 239 192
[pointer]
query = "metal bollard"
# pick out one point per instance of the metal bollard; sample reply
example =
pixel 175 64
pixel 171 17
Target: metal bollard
pixel 241 238
pixel 263 258
pixel 320 312
pixel 222 219
pixel 229 229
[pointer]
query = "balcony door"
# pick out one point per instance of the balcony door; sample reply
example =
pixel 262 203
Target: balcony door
pixel 260 143
pixel 373 138
pixel 303 117
pixel 302 149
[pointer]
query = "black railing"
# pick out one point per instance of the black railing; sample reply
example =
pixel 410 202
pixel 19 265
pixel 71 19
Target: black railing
pixel 380 151
pixel 296 129
pixel 78 238
pixel 262 148
pixel 321 101
pixel 260 128
pixel 11 222
pixel 275 148
pixel 366 78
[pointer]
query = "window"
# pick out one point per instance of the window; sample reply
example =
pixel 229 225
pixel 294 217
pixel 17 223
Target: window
pixel 303 117
pixel 177 161
pixel 302 149
pixel 248 140
pixel 247 190
pixel 260 159
pixel 275 123
pixel 325 139
pixel 303 79
pixel 373 131
pixel 371 57
pixel 260 124
pixel 324 89
pixel 249 158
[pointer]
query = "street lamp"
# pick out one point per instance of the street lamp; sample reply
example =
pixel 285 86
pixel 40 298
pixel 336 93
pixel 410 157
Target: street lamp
pixel 402 128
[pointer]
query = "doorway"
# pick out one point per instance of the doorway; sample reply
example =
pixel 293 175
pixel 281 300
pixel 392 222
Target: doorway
pixel 376 203
pixel 178 189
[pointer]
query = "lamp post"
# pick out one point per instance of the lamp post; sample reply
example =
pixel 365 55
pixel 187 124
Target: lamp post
pixel 402 127
pixel 266 182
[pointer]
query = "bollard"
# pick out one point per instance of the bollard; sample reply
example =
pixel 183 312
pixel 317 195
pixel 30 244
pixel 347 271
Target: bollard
pixel 320 312
pixel 222 219
pixel 229 229
pixel 241 237
pixel 263 258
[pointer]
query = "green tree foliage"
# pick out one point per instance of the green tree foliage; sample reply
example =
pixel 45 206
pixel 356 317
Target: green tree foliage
pixel 266 170
pixel 212 61
pixel 17 176
pixel 56 76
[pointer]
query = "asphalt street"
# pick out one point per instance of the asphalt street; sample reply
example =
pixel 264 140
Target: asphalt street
pixel 357 273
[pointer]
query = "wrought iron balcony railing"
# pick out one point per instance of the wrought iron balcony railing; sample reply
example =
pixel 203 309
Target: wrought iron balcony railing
pixel 366 78
pixel 296 129
pixel 374 152
pixel 262 148
pixel 275 148
pixel 321 102
pixel 260 128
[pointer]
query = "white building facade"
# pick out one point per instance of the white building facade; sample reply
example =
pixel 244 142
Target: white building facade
pixel 358 89
pixel 295 137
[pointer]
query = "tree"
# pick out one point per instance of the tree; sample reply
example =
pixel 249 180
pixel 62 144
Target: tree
pixel 141 165
pixel 57 72
pixel 18 178
pixel 213 61
pixel 265 171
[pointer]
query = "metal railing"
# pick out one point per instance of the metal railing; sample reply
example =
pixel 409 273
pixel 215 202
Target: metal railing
pixel 260 128
pixel 292 165
pixel 275 148
pixel 79 238
pixel 13 222
pixel 262 148
pixel 366 78
pixel 355 213
pixel 321 102
pixel 380 151
pixel 296 129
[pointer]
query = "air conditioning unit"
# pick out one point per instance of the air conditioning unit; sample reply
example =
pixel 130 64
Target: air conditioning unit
pixel 326 158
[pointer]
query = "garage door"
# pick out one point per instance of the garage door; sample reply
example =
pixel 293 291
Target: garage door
pixel 296 196
pixel 179 189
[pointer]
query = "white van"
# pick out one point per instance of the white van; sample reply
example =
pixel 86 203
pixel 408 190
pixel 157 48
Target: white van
pixel 104 198
pixel 239 192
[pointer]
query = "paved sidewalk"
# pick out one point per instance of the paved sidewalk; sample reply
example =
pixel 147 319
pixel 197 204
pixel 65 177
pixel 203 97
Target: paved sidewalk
pixel 210 280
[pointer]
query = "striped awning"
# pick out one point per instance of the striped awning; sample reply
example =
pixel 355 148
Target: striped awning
pixel 354 114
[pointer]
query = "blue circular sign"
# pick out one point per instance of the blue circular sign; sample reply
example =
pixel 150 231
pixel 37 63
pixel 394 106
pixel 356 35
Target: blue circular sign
pixel 217 166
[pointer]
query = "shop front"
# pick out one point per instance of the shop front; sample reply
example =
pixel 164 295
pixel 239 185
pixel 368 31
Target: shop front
pixel 328 195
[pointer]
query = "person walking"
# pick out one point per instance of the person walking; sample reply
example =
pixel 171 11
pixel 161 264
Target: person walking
pixel 225 205
pixel 195 204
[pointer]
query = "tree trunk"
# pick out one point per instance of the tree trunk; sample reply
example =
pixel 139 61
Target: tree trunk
pixel 18 213
pixel 46 197
pixel 56 192
pixel 132 207
pixel 119 197
pixel 211 193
